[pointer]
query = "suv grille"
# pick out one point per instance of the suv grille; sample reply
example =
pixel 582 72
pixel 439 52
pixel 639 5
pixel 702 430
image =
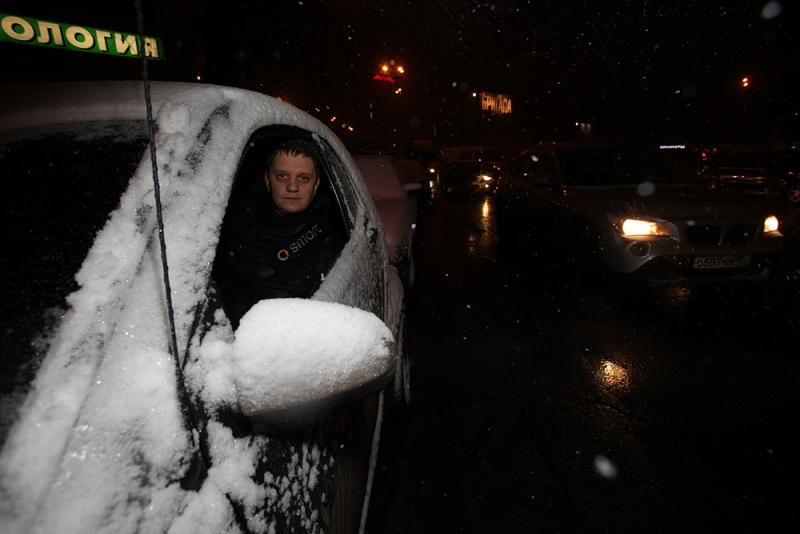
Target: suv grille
pixel 739 234
pixel 709 235
pixel 704 235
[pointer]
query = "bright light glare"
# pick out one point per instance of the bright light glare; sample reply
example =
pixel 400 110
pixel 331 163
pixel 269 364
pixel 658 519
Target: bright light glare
pixel 485 177
pixel 771 224
pixel 612 375
pixel 635 227
pixel 401 69
pixel 431 170
pixel 384 68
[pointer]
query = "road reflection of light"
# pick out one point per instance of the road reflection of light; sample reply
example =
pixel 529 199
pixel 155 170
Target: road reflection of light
pixel 612 375
pixel 481 243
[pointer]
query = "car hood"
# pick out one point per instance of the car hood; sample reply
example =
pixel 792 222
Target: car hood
pixel 670 202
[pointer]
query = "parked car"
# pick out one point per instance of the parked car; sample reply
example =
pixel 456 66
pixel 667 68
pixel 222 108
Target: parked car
pixel 425 150
pixel 469 178
pixel 384 176
pixel 637 213
pixel 105 429
pixel 412 172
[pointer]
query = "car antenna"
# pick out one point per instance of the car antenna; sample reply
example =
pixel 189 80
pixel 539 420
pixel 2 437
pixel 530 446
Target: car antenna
pixel 198 469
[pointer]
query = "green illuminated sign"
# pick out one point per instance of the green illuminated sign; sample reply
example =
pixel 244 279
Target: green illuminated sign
pixel 26 30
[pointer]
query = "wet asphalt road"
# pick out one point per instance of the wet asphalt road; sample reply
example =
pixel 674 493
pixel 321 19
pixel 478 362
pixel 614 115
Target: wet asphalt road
pixel 542 406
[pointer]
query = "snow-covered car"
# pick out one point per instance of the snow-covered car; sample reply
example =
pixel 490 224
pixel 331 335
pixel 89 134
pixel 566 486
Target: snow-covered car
pixel 469 178
pixel 111 420
pixel 638 213
pixel 384 177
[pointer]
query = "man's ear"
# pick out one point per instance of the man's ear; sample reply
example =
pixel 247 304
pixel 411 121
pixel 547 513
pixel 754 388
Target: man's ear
pixel 266 181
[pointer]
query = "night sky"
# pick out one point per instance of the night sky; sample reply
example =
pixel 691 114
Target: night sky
pixel 630 68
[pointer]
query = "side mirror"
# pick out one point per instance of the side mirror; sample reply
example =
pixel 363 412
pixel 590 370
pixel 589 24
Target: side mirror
pixel 412 186
pixel 294 358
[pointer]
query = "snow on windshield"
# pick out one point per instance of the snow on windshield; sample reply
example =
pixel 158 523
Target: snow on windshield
pixel 100 444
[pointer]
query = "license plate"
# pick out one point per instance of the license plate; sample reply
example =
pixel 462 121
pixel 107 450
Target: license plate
pixel 721 262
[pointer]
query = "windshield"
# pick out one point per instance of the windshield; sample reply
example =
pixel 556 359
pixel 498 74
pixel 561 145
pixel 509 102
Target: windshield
pixel 626 167
pixel 59 185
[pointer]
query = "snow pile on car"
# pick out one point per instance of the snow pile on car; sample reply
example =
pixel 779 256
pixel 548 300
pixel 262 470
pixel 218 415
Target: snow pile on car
pixel 274 370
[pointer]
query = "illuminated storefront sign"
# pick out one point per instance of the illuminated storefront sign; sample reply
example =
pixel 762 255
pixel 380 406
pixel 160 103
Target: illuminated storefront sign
pixel 383 78
pixel 27 30
pixel 495 103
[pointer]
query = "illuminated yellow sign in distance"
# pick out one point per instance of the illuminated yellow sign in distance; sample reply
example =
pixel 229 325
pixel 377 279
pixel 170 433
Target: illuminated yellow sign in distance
pixel 27 30
pixel 495 103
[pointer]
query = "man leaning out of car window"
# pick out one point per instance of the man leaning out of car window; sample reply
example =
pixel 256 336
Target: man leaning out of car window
pixel 285 241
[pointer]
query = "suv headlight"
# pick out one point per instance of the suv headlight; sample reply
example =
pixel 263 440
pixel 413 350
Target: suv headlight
pixel 639 228
pixel 771 224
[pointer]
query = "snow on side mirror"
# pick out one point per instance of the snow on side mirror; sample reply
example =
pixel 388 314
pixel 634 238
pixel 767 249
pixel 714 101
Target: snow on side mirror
pixel 297 357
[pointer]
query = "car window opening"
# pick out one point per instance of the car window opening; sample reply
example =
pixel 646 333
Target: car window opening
pixel 264 254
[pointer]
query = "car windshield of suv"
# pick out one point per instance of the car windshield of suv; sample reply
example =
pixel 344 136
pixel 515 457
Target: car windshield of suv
pixel 625 167
pixel 59 185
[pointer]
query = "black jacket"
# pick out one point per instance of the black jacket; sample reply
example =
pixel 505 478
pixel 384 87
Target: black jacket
pixel 268 254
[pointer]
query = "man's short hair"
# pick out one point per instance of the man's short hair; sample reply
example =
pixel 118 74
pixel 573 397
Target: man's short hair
pixel 295 147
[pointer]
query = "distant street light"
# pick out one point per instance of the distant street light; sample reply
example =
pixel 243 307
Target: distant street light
pixel 744 83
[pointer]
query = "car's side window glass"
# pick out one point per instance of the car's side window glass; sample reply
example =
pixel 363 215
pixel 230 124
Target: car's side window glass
pixel 60 182
pixel 345 193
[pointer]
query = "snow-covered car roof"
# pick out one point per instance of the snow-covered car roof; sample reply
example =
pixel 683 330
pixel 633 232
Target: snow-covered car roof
pixel 33 104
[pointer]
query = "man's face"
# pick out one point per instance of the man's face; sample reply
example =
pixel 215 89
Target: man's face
pixel 292 180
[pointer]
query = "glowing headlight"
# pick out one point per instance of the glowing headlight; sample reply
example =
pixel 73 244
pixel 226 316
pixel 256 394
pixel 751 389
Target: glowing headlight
pixel 485 177
pixel 771 224
pixel 636 227
pixel 431 170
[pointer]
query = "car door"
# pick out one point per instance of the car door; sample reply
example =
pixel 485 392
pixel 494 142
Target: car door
pixel 332 446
